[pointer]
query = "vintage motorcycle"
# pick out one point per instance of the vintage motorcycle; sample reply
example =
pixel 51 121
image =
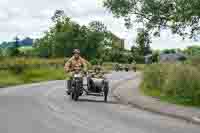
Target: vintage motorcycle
pixel 126 68
pixel 118 67
pixel 77 85
pixel 94 86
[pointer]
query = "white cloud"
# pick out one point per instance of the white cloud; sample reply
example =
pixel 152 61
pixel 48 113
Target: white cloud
pixel 32 17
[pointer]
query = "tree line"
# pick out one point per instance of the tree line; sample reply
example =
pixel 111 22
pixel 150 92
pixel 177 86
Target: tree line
pixel 94 40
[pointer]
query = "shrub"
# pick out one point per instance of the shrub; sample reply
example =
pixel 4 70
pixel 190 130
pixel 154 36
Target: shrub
pixel 94 62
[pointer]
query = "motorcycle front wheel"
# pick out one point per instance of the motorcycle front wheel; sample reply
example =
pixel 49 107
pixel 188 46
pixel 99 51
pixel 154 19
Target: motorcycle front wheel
pixel 106 90
pixel 76 91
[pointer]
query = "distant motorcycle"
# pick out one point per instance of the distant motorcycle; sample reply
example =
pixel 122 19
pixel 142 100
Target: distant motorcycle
pixel 126 68
pixel 118 67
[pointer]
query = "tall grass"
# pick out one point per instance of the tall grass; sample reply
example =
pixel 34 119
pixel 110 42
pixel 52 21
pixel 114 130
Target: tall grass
pixel 7 78
pixel 12 63
pixel 42 74
pixel 177 83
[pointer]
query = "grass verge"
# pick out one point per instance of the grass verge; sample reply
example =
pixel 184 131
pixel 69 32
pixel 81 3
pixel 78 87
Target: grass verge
pixel 10 78
pixel 172 83
pixel 156 93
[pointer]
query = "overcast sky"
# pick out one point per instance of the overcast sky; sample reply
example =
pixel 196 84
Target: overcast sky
pixel 32 18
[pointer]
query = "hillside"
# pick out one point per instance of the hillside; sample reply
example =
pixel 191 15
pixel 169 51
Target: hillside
pixel 21 43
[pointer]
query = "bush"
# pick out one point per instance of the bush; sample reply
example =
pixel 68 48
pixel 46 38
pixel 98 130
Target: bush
pixel 94 62
pixel 12 51
pixel 139 59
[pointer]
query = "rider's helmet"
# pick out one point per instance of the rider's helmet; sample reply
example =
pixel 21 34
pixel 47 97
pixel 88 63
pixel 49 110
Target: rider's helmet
pixel 76 51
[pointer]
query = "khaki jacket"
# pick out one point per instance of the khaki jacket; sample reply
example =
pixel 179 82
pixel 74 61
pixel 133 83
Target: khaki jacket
pixel 73 64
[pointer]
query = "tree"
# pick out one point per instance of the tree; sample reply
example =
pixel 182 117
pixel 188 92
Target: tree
pixel 101 31
pixel 118 55
pixel 14 51
pixel 97 26
pixel 155 56
pixel 181 16
pixel 58 14
pixel 142 47
pixel 16 39
pixel 143 43
pixel 65 35
pixel 94 40
pixel 169 51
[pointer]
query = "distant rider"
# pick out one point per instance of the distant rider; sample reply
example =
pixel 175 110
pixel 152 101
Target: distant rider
pixel 134 65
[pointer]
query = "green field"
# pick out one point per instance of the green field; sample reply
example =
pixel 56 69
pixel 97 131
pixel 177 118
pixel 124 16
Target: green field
pixel 10 77
pixel 25 48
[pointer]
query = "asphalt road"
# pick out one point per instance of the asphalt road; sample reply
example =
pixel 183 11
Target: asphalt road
pixel 43 108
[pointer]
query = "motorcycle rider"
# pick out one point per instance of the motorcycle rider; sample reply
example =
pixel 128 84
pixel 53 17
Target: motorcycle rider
pixel 76 61
pixel 117 67
pixel 98 72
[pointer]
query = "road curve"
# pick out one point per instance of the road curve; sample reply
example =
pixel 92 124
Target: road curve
pixel 43 108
